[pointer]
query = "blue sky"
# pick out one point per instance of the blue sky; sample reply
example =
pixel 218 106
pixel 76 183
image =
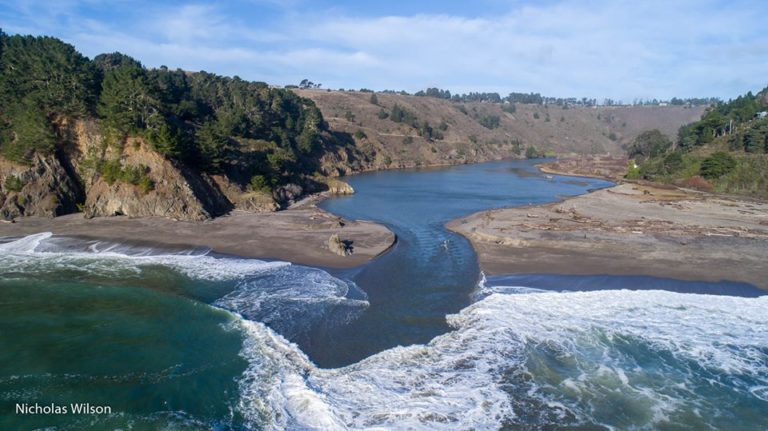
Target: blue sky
pixel 617 49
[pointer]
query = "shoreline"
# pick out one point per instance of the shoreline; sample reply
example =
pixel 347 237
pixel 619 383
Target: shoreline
pixel 298 234
pixel 627 229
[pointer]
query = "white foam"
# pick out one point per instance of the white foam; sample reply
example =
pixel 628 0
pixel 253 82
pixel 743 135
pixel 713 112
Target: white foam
pixel 294 300
pixel 483 290
pixel 461 380
pixel 290 298
pixel 38 252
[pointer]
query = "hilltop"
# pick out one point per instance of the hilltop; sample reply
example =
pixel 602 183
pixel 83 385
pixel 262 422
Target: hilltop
pixel 434 131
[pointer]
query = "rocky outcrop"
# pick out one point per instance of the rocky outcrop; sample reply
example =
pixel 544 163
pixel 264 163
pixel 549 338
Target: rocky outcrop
pixel 45 188
pixel 242 199
pixel 338 246
pixel 338 187
pixel 289 193
pixel 176 192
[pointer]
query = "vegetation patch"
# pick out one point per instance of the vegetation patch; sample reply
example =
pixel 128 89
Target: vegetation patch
pixel 112 171
pixel 13 184
pixel 726 151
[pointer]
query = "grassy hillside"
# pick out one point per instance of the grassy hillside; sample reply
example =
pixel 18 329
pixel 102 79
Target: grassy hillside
pixel 726 151
pixel 438 131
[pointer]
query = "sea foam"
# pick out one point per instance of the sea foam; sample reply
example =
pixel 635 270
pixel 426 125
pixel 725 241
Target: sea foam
pixel 292 299
pixel 535 360
pixel 43 251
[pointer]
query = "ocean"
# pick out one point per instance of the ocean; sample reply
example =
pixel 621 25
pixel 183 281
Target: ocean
pixel 416 339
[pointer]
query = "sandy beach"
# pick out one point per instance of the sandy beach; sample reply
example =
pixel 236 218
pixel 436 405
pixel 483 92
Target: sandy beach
pixel 627 229
pixel 299 235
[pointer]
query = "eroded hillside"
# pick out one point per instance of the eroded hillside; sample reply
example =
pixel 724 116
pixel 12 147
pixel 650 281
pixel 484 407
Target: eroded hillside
pixel 458 132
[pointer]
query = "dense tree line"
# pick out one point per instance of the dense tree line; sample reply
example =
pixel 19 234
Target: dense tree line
pixel 210 122
pixel 399 114
pixel 727 149
pixel 538 99
pixel 741 119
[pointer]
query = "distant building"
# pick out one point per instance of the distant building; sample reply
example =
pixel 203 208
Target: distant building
pixel 762 114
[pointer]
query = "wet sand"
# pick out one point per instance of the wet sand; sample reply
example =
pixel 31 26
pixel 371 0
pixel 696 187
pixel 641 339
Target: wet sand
pixel 298 235
pixel 629 229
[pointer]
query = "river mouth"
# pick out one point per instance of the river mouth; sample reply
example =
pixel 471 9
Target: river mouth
pixel 431 272
pixel 417 339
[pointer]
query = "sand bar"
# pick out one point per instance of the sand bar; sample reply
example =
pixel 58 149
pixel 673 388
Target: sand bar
pixel 628 229
pixel 298 235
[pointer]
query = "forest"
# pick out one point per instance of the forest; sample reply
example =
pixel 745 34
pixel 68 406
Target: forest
pixel 726 151
pixel 267 136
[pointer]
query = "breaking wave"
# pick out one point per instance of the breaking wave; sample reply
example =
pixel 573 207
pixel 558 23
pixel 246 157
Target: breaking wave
pixel 289 298
pixel 518 358
pixel 602 359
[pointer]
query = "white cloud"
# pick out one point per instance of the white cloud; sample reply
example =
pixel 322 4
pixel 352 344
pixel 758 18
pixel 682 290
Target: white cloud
pixel 616 49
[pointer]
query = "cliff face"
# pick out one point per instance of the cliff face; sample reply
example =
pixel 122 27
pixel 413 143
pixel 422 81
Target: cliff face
pixel 176 191
pixel 142 182
pixel 45 188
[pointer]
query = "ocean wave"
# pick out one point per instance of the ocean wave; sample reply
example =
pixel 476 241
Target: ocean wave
pixel 43 252
pixel 291 299
pixel 295 300
pixel 601 359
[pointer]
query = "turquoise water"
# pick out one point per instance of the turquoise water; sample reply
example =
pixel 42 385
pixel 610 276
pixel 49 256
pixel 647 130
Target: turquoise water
pixel 418 339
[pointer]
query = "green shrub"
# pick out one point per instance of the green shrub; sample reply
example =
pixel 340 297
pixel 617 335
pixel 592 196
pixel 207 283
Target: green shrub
pixel 402 115
pixel 13 183
pixel 673 162
pixel 509 108
pixel 112 171
pixel 532 153
pixel 145 184
pixel 718 164
pixel 359 134
pixel 489 121
pixel 633 171
pixel 27 132
pixel 259 183
pixel 649 144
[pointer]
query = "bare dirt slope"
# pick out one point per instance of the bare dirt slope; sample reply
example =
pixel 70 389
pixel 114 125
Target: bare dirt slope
pixel 574 130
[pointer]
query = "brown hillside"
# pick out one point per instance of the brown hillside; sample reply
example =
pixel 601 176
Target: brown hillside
pixel 574 130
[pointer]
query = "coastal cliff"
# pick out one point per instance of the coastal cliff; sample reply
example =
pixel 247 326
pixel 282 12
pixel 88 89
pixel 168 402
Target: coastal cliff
pixel 42 188
pixel 110 137
pixel 143 183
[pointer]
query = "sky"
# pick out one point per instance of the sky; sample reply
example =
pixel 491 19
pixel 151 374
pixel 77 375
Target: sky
pixel 617 49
